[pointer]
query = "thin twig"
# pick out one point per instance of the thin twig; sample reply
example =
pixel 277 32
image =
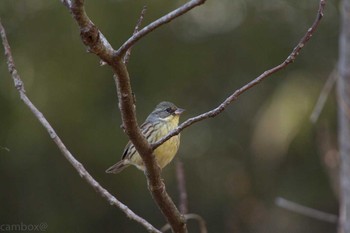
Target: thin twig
pixel 156 24
pixel 137 28
pixel 75 163
pixel 4 148
pixel 323 96
pixel 181 186
pixel 306 211
pixel 216 111
pixel 201 223
pixel 200 220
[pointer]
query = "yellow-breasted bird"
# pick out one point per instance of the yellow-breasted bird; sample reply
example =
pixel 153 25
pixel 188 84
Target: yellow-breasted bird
pixel 163 119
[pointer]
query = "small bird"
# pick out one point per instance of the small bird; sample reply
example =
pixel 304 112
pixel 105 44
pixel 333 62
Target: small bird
pixel 163 119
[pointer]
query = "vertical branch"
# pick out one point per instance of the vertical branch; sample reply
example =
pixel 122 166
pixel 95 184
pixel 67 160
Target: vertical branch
pixel 344 117
pixel 181 186
pixel 153 173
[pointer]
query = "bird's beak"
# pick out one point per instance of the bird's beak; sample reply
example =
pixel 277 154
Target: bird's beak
pixel 179 111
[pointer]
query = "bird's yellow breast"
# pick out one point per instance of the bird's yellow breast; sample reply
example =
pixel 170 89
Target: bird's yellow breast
pixel 166 152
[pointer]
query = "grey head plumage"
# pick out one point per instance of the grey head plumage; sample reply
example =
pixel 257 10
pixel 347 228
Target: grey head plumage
pixel 163 110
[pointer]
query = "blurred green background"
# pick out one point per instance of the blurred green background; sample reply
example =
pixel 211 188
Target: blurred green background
pixel 262 147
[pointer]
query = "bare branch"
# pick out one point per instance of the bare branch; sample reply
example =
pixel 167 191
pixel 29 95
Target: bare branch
pixel 137 28
pixel 155 182
pixel 200 220
pixel 75 163
pixel 156 24
pixel 343 98
pixel 4 148
pixel 290 59
pixel 306 211
pixel 323 96
pixel 181 185
pixel 67 3
pixel 98 44
pixel 92 38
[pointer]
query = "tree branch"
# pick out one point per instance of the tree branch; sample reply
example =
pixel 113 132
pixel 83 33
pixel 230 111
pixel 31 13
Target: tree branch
pixel 181 186
pixel 201 223
pixel 97 44
pixel 137 28
pixel 75 163
pixel 306 211
pixel 156 24
pixel 92 38
pixel 155 183
pixel 216 111
pixel 343 94
pixel 323 96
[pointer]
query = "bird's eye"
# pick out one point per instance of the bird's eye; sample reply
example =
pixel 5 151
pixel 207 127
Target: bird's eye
pixel 170 110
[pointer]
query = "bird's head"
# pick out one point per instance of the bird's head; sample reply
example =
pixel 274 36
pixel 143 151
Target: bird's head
pixel 166 111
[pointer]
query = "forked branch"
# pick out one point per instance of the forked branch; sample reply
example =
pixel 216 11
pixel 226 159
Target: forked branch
pixel 136 30
pixel 156 24
pixel 98 44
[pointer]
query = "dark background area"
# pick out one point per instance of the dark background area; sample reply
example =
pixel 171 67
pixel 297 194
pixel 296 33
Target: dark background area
pixel 262 147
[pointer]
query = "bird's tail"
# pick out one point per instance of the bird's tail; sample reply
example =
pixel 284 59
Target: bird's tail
pixel 118 167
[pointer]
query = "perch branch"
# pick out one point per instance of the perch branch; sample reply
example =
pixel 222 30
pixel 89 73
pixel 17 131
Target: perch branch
pixel 290 59
pixel 155 183
pixel 98 44
pixel 75 163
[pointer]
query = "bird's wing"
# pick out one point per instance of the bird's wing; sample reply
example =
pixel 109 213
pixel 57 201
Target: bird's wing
pixel 128 151
pixel 147 129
